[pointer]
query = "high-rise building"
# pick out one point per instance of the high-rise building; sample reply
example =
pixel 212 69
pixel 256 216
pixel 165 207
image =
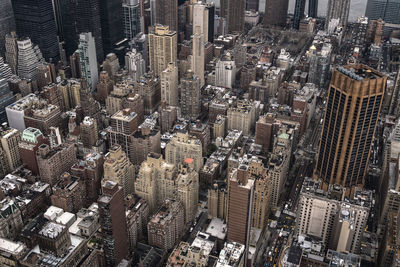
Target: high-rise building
pixel 7 23
pixel 166 13
pixel 275 12
pixel 155 181
pixel 137 217
pixel 111 65
pixel 119 169
pixel 210 9
pixel 68 193
pixel 135 64
pixel 104 87
pixel 35 19
pixel 233 11
pixel 31 139
pixel 9 139
pixel 11 54
pixel 29 57
pixel 149 88
pixel 252 5
pixel 53 161
pixel 338 9
pixel 113 223
pixel 198 53
pixel 89 132
pixel 167 226
pixel 87 19
pixel 299 9
pixel 162 48
pixel 183 146
pixel 6 97
pixel 313 8
pixel 240 196
pixel 111 18
pixel 187 187
pixel 242 116
pixel 191 95
pixel 88 59
pixel 225 71
pixel 351 115
pixel 387 10
pixel 144 141
pixel 132 19
pixel 169 85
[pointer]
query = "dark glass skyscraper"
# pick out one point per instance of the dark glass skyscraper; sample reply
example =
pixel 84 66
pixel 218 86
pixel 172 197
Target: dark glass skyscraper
pixel 167 13
pixel 233 11
pixel 387 10
pixel 275 12
pixel 252 5
pixel 351 115
pixel 35 19
pixel 313 8
pixel 7 23
pixel 111 23
pixel 298 13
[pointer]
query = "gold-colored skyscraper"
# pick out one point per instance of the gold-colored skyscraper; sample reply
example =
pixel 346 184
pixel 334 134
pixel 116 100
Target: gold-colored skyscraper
pixel 162 48
pixel 351 114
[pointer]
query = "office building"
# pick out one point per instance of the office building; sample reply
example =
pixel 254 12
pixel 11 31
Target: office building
pixel 111 65
pixel 162 47
pixel 242 116
pixel 252 5
pixel 89 132
pixel 7 23
pixel 191 95
pixel 183 146
pixel 299 9
pixel 167 226
pixel 338 9
pixel 88 19
pixel 225 71
pixel 166 13
pixel 11 54
pixel 169 85
pixel 119 169
pixel 9 142
pixel 88 59
pixel 132 18
pixel 6 97
pixel 387 10
pixel 111 19
pixel 104 87
pixel 135 64
pixel 31 139
pixel 275 12
pixel 348 131
pixel 240 196
pixel 35 19
pixel 68 193
pixel 53 161
pixel 313 8
pixel 29 57
pixel 144 141
pixel 149 89
pixel 137 217
pixel 155 181
pixel 113 223
pixel 43 116
pixel 233 12
pixel 187 189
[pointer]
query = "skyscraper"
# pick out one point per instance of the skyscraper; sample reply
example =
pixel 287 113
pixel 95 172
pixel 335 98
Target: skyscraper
pixel 387 10
pixel 87 19
pixel 233 11
pixel 29 57
pixel 6 97
pixel 111 18
pixel 162 48
pixel 113 223
pixel 351 115
pixel 169 85
pixel 338 9
pixel 275 12
pixel 7 23
pixel 135 64
pixel 298 13
pixel 313 8
pixel 190 95
pixel 198 54
pixel 166 13
pixel 252 5
pixel 35 19
pixel 132 19
pixel 88 59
